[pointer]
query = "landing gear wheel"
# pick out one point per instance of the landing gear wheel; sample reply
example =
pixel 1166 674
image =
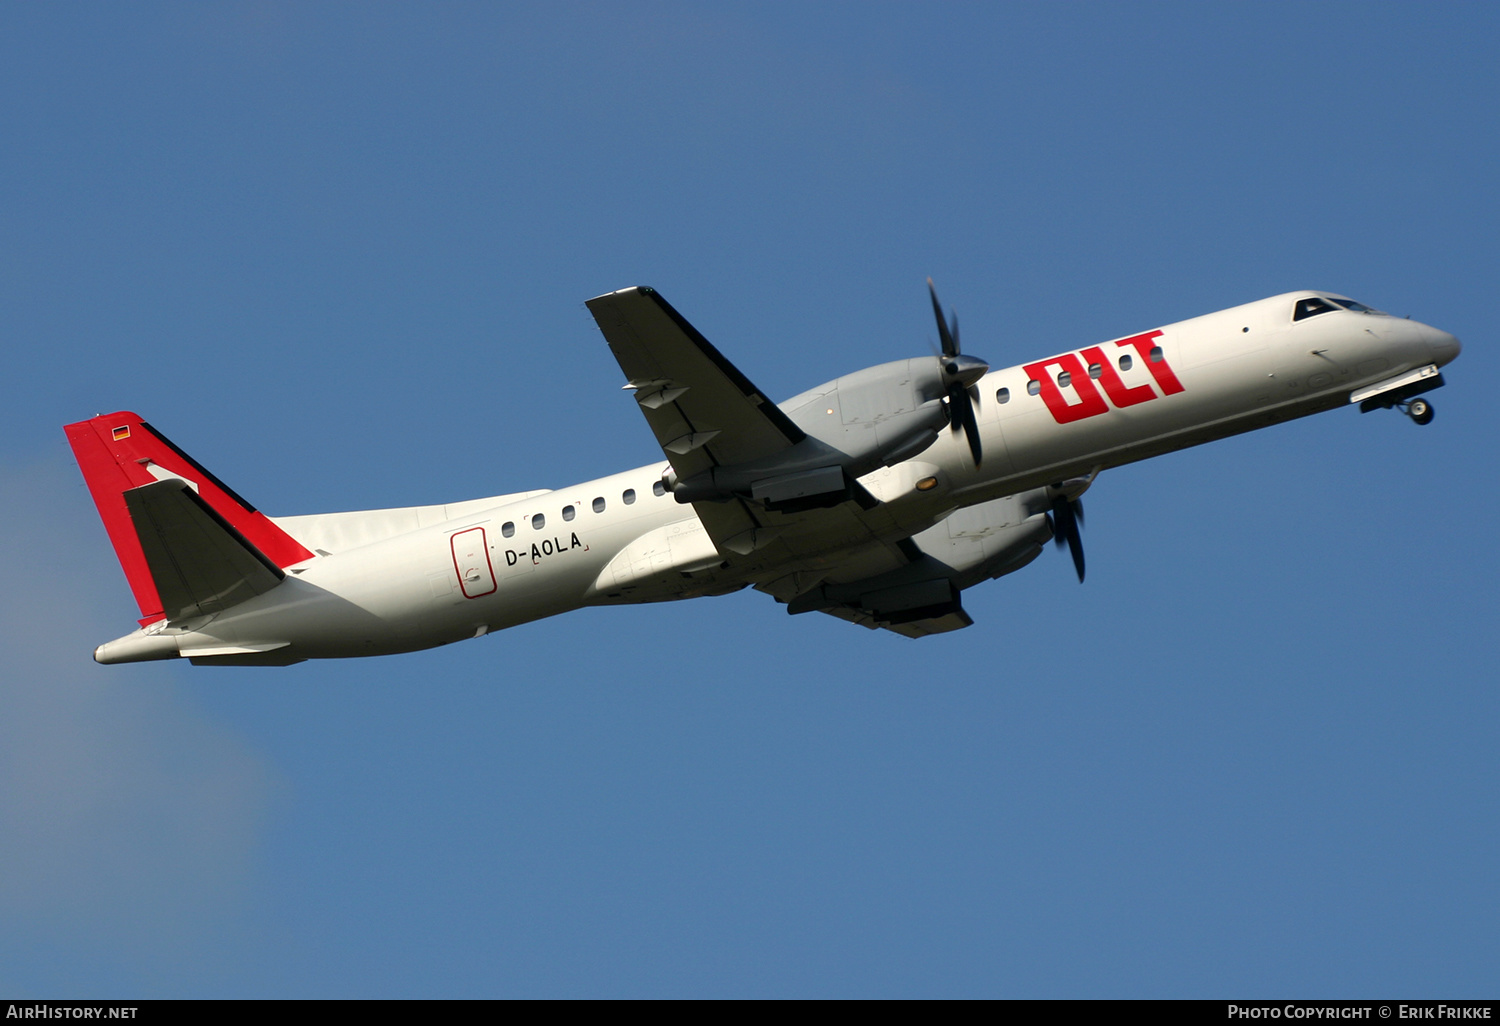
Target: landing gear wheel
pixel 1420 411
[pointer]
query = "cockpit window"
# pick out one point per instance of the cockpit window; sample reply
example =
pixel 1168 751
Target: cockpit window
pixel 1311 308
pixel 1349 304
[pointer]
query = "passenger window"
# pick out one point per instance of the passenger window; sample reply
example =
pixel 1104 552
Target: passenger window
pixel 569 512
pixel 628 497
pixel 508 529
pixel 1125 361
pixel 1311 308
pixel 599 504
pixel 1033 387
pixel 538 522
pixel 1155 354
pixel 658 489
pixel 1002 396
pixel 1064 379
pixel 1095 370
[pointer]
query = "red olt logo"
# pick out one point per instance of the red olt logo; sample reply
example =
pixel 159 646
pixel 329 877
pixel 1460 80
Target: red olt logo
pixel 1090 403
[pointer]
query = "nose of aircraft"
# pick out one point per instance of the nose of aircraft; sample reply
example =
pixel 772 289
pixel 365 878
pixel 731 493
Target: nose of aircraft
pixel 1444 347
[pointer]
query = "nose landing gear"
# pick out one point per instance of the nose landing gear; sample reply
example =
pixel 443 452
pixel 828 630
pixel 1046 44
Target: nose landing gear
pixel 1403 393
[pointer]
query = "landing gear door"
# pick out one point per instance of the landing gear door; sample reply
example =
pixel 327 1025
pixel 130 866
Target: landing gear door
pixel 471 562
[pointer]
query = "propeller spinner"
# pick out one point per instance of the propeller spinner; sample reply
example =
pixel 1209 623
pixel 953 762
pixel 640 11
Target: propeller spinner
pixel 960 374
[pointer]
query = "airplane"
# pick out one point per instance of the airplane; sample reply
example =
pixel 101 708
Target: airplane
pixel 877 498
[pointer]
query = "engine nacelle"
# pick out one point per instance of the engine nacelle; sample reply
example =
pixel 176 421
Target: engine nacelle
pixel 879 416
pixel 991 539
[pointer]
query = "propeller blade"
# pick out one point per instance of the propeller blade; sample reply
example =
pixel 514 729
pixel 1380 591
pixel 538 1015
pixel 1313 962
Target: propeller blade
pixel 962 371
pixel 961 410
pixel 950 340
pixel 1065 532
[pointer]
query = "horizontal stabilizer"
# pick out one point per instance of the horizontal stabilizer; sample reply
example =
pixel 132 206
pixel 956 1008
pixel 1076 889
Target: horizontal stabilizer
pixel 118 452
pixel 199 563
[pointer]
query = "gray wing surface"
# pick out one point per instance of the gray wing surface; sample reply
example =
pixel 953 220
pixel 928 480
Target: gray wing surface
pixel 868 564
pixel 955 621
pixel 703 411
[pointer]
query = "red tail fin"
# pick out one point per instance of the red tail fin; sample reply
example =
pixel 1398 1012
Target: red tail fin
pixel 119 451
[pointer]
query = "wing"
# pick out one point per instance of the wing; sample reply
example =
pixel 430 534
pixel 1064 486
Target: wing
pixel 942 623
pixel 842 553
pixel 703 411
pixel 880 586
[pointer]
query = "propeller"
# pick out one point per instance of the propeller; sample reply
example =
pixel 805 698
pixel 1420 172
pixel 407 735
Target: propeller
pixel 960 373
pixel 1067 517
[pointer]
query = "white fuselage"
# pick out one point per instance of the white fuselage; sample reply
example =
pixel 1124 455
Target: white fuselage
pixel 398 580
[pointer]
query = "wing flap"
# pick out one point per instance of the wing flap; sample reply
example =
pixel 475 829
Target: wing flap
pixel 895 587
pixel 709 418
pixel 952 621
pixel 199 563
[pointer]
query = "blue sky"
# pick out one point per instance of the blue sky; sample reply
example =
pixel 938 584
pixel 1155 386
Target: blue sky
pixel 339 253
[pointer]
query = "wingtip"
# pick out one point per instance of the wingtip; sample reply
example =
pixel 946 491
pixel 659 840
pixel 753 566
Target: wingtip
pixel 634 290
